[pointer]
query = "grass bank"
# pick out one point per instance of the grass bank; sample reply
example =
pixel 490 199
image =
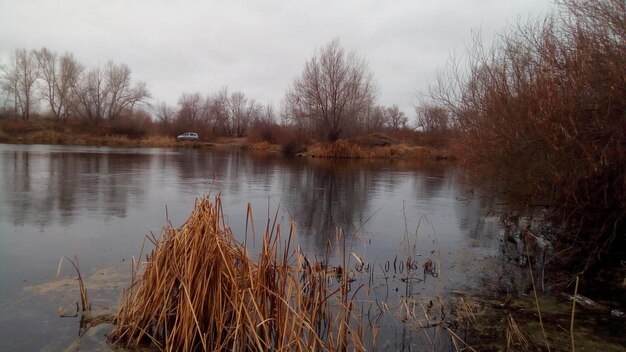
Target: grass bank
pixel 47 131
pixel 348 150
pixel 373 146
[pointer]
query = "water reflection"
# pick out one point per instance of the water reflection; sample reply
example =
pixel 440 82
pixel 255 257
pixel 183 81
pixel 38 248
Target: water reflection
pixel 100 202
pixel 46 185
pixel 326 195
pixel 44 188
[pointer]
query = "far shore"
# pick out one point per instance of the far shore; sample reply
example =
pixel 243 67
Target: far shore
pixel 45 132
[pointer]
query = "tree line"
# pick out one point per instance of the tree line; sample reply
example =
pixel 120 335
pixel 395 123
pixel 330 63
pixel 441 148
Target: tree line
pixel 105 92
pixel 334 97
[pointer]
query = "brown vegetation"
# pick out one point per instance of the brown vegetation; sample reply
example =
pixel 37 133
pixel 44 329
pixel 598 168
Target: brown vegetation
pixel 289 140
pixel 545 111
pixel 333 93
pixel 335 97
pixel 49 131
pixel 345 149
pixel 201 290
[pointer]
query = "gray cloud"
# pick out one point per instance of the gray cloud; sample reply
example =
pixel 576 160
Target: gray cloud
pixel 257 47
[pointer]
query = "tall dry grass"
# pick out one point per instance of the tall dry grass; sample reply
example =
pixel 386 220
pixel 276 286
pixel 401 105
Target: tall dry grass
pixel 201 290
pixel 345 149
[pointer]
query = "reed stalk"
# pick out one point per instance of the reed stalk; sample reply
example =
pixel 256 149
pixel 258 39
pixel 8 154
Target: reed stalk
pixel 571 326
pixel 84 298
pixel 532 281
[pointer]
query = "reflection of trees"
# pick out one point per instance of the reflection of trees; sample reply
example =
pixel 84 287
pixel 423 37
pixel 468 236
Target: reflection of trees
pixel 326 195
pixel 16 175
pixel 42 186
pixel 430 178
pixel 200 165
pixel 472 205
pixel 474 209
pixel 322 195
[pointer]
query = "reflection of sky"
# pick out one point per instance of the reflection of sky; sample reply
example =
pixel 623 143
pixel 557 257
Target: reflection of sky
pixel 98 203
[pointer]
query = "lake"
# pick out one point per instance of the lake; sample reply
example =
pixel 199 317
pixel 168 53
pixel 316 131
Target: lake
pixel 99 203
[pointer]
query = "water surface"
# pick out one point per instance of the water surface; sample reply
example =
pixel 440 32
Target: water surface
pixel 98 203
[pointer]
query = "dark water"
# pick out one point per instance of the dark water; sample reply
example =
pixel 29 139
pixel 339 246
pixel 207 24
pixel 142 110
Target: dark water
pixel 99 203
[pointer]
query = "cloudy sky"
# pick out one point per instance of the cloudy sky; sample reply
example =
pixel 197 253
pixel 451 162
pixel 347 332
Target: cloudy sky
pixel 258 47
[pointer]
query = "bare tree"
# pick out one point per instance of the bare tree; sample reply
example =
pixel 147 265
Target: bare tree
pixel 218 112
pixel 123 95
pixel 242 112
pixel 190 109
pixel 394 118
pixel 18 81
pixel 59 78
pixel 108 93
pixel 254 112
pixel 91 93
pixel 268 115
pixel 5 95
pixel 432 118
pixel 334 90
pixel 237 112
pixel 375 119
pixel 165 114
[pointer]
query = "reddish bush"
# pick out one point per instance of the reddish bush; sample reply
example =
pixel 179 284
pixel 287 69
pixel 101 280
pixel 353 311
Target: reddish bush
pixel 291 139
pixel 545 109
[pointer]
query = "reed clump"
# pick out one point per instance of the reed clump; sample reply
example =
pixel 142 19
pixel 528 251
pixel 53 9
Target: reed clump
pixel 201 290
pixel 345 149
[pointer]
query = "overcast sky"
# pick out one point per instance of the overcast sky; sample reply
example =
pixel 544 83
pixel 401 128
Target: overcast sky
pixel 258 47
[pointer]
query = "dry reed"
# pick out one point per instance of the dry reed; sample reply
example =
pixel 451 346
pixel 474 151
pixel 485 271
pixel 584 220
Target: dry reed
pixel 345 149
pixel 201 290
pixel 84 299
pixel 516 336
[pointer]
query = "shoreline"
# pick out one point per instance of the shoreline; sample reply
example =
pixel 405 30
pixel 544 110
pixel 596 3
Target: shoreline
pixel 52 133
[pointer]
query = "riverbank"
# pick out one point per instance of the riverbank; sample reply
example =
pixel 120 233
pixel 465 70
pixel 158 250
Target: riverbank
pixel 44 131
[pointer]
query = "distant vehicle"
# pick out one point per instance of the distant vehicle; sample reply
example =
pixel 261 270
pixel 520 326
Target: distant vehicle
pixel 188 136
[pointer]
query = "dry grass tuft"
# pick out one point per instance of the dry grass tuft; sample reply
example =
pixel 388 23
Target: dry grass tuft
pixel 345 149
pixel 516 336
pixel 158 141
pixel 200 290
pixel 264 146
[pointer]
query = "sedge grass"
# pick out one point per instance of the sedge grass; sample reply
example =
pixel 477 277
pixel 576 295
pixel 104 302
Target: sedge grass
pixel 200 290
pixel 345 149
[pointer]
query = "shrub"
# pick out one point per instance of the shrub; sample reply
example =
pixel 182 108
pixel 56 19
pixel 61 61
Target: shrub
pixel 136 125
pixel 291 139
pixel 545 110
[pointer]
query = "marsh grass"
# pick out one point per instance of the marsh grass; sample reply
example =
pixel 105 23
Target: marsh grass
pixel 345 149
pixel 201 290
